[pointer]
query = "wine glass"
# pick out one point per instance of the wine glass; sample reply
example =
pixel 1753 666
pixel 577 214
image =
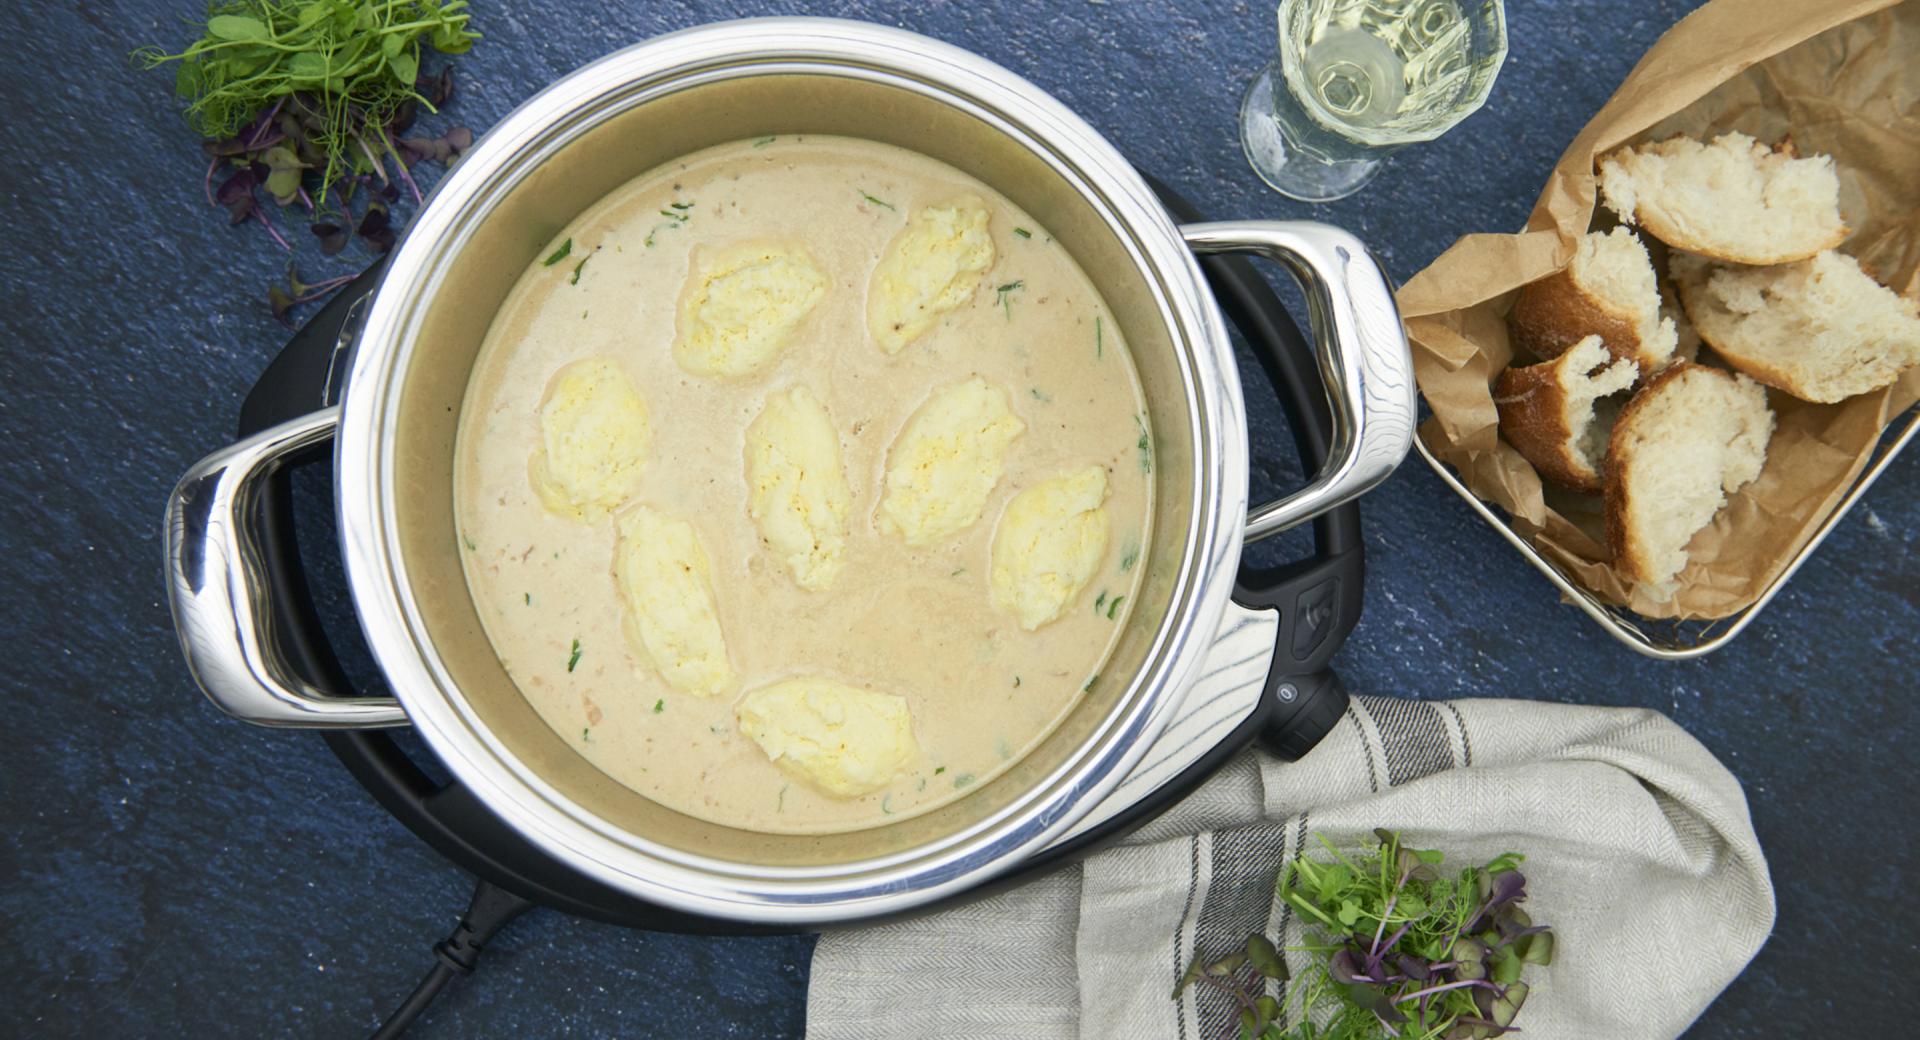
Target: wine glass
pixel 1357 79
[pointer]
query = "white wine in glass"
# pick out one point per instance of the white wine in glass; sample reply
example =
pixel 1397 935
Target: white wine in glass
pixel 1357 79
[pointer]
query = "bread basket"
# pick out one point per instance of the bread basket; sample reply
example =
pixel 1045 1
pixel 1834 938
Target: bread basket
pixel 1833 78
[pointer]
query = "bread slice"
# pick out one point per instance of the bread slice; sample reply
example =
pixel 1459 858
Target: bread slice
pixel 1734 199
pixel 1608 289
pixel 1547 411
pixel 1820 329
pixel 1685 442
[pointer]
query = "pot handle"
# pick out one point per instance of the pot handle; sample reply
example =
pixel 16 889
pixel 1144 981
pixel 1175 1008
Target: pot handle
pixel 218 587
pixel 1361 347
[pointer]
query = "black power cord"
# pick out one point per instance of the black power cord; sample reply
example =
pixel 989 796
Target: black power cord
pixel 491 910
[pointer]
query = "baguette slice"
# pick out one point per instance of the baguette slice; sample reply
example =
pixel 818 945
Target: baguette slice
pixel 1548 413
pixel 1608 289
pixel 1733 199
pixel 1685 442
pixel 1820 329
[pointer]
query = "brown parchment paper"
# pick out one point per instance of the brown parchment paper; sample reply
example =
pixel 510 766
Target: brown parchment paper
pixel 1838 76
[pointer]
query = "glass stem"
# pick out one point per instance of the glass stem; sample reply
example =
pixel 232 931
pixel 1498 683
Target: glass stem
pixel 1278 136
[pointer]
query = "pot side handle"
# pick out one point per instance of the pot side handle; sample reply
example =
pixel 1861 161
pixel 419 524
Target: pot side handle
pixel 218 588
pixel 1362 352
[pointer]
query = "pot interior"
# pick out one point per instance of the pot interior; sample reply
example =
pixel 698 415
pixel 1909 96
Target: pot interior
pixel 637 127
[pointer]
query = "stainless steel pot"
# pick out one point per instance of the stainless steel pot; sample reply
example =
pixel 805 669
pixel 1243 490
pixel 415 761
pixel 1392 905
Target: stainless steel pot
pixel 567 147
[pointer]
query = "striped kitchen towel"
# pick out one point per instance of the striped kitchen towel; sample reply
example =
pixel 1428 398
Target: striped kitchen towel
pixel 1640 855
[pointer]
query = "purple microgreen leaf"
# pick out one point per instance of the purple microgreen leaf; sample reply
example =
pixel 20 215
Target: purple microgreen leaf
pixel 1227 965
pixel 294 283
pixel 1537 947
pixel 1496 891
pixel 281 304
pixel 239 183
pixel 375 227
pixel 1265 959
pixel 333 237
pixel 241 207
pixel 1414 968
pixel 1509 886
pixel 1507 1005
pixel 1507 966
pixel 1267 1012
pixel 1345 967
pixel 1470 959
pixel 1405 862
pixel 1374 1000
pixel 1194 971
pixel 439 89
pixel 443 149
pixel 1372 967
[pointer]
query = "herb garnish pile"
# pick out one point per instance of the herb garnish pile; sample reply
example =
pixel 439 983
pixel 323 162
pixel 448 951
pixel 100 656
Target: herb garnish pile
pixel 309 101
pixel 1398 950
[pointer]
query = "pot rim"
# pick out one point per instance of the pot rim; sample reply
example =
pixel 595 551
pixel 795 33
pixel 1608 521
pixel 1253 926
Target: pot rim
pixel 366 496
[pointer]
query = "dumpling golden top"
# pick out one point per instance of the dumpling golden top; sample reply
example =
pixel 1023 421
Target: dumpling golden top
pixel 842 739
pixel 666 586
pixel 594 436
pixel 1049 543
pixel 931 267
pixel 947 461
pixel 797 486
pixel 741 307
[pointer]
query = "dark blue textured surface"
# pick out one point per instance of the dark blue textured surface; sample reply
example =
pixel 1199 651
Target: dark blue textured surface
pixel 167 872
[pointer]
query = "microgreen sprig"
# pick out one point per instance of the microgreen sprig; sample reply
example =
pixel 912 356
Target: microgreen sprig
pixel 1396 949
pixel 308 100
pixel 349 66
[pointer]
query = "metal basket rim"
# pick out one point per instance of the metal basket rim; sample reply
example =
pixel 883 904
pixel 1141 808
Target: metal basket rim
pixel 1626 626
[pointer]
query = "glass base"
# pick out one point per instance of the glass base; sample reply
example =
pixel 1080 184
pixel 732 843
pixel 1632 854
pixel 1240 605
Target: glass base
pixel 1288 170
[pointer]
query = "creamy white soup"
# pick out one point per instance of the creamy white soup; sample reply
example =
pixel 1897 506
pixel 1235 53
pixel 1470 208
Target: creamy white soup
pixel 802 484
